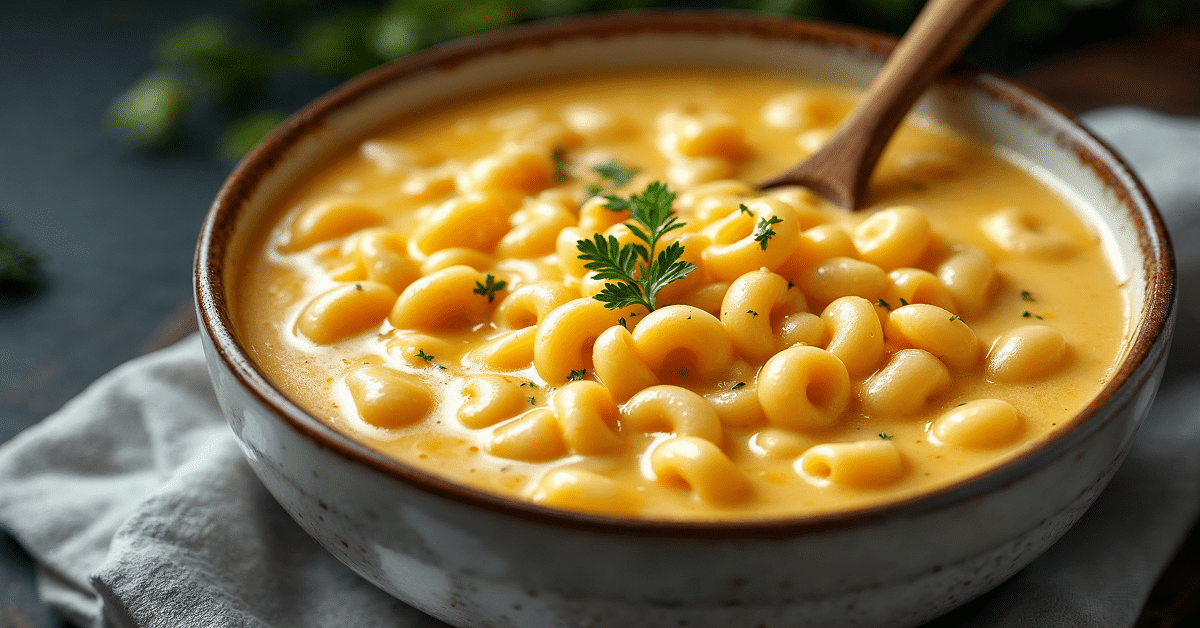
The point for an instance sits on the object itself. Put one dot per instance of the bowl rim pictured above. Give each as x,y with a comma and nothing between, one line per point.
218,229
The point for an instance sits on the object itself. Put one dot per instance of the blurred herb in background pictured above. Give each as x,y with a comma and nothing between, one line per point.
225,68
20,267
211,57
149,113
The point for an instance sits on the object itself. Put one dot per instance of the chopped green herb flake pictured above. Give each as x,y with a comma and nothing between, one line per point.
738,385
763,232
752,313
575,376
532,401
1027,296
903,302
562,167
885,436
883,304
490,288
744,210
615,173
424,356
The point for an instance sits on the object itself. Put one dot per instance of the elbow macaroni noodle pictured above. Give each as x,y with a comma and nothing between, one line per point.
424,295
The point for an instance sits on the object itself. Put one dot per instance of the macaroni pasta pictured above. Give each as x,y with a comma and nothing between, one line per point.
425,294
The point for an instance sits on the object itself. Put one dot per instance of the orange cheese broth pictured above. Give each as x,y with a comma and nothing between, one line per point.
952,181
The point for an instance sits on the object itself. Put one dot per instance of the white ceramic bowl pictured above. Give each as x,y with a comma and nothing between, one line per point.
475,559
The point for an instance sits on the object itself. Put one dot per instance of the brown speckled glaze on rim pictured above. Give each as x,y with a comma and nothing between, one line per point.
217,234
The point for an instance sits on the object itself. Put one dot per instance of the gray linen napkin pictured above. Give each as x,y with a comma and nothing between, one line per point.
140,511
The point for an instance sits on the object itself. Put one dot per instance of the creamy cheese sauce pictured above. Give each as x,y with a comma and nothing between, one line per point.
318,296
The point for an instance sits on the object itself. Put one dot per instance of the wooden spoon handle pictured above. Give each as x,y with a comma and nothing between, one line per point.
841,169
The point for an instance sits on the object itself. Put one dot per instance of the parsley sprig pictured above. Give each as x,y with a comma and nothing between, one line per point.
639,271
489,289
763,232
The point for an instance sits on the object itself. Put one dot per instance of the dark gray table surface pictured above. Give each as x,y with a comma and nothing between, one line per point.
118,226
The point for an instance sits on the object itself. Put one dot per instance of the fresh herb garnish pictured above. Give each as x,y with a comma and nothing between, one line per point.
1028,314
752,313
955,317
640,270
622,322
1027,296
763,232
744,210
885,436
738,385
903,302
883,304
489,289
575,376
424,356
358,286
532,401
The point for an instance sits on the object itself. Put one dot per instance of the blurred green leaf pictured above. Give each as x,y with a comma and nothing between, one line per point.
248,131
622,5
337,45
789,7
1177,13
557,8
341,38
1088,4
149,113
474,18
396,32
280,11
1033,18
234,67
895,13
20,266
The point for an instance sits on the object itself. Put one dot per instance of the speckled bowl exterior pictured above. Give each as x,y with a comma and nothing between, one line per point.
475,559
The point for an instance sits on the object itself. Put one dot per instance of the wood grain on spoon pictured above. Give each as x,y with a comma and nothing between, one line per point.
840,170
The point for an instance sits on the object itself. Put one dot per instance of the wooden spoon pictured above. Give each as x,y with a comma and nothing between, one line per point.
839,171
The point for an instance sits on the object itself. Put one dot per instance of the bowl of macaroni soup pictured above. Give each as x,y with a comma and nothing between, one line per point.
508,327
